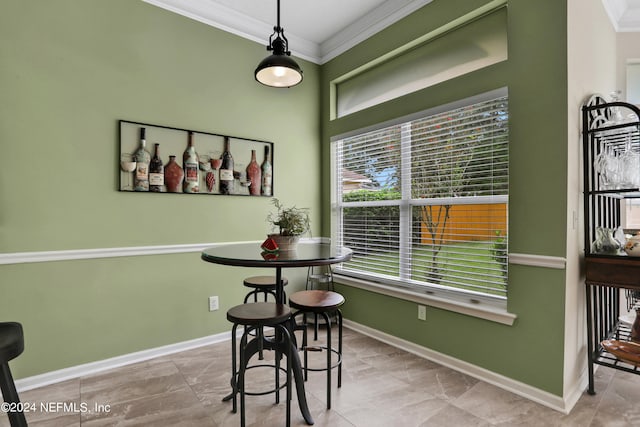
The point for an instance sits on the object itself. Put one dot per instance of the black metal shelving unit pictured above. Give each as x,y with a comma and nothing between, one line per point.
612,127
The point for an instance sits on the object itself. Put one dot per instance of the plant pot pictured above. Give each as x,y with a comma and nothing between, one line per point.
285,243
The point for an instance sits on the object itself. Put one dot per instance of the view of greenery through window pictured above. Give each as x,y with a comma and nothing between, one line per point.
424,203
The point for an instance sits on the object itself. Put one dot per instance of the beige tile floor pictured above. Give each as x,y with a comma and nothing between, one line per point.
382,386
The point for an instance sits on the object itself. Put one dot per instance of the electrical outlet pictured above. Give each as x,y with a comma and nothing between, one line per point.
422,312
213,303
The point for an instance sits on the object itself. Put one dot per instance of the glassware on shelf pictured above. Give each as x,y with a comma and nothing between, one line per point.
607,166
616,117
609,241
630,166
617,165
128,166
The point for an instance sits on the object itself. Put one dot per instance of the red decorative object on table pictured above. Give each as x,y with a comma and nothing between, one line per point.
269,245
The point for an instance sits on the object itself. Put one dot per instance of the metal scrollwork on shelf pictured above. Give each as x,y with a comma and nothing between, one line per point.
599,116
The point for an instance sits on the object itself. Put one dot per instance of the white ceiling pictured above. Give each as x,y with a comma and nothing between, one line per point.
319,30
624,14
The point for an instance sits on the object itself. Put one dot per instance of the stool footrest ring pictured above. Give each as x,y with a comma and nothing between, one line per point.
318,348
262,393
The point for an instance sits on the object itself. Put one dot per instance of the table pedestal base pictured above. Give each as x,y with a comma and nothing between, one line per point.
254,346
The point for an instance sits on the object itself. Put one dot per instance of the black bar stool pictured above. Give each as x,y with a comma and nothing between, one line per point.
262,285
11,346
265,285
321,278
254,317
325,303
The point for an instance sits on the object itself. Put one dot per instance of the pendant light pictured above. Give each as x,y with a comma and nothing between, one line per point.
278,69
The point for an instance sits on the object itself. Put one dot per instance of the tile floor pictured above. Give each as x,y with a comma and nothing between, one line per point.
382,386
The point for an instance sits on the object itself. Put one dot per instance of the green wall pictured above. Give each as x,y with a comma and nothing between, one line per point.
530,351
70,69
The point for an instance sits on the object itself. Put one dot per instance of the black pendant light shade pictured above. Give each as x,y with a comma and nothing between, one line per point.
278,69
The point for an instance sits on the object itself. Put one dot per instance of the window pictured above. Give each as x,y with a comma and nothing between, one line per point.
476,43
423,202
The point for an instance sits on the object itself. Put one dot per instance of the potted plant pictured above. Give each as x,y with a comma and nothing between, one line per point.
290,222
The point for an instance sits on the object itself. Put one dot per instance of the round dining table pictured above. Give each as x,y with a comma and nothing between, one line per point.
306,254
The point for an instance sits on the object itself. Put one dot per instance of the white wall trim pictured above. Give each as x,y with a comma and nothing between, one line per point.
483,311
540,396
538,260
116,362
74,254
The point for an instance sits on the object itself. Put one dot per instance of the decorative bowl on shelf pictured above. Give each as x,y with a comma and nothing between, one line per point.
632,246
623,350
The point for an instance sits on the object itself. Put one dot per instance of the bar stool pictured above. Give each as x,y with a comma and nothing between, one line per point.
11,346
254,317
325,303
319,277
262,285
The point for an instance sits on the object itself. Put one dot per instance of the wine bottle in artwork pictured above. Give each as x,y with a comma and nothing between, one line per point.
143,157
254,175
226,169
267,172
173,176
156,171
190,165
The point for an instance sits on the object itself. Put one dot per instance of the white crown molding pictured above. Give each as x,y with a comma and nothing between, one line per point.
623,14
229,20
375,21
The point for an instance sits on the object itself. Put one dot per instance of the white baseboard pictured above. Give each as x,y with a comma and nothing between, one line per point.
540,396
91,368
544,398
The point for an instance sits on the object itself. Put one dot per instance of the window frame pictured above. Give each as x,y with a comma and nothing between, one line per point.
460,300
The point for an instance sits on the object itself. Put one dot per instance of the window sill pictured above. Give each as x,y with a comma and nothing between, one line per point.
493,314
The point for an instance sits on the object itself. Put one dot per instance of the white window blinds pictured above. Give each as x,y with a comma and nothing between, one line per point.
423,203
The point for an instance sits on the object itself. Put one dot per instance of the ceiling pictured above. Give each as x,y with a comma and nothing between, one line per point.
321,30
624,14
317,30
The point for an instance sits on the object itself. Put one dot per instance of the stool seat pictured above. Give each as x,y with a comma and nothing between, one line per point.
316,301
259,313
265,285
254,317
11,341
325,303
260,282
